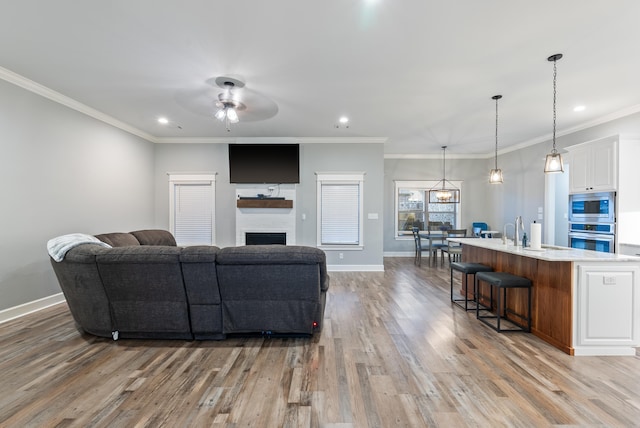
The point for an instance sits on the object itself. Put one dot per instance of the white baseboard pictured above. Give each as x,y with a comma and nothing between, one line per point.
355,268
399,254
30,307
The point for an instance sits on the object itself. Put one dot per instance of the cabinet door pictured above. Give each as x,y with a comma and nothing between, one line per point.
608,305
579,171
603,166
593,167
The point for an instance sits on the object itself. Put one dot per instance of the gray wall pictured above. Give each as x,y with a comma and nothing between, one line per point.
63,172
319,157
476,193
522,192
523,189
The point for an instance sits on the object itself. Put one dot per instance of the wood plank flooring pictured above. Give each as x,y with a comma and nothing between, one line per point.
394,352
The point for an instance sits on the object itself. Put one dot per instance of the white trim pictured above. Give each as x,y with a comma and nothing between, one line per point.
399,254
271,140
355,268
30,307
66,101
341,176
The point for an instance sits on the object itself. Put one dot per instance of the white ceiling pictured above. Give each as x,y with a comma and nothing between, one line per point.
420,73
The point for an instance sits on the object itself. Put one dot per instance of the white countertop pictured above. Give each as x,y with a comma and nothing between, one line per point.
548,252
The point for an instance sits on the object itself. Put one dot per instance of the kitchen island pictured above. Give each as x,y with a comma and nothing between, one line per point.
583,302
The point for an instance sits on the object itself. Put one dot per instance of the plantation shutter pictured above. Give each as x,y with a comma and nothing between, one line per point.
193,211
340,214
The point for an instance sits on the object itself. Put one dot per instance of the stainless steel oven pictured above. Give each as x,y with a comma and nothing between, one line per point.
592,241
593,207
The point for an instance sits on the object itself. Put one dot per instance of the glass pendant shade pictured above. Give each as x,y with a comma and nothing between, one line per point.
495,176
553,163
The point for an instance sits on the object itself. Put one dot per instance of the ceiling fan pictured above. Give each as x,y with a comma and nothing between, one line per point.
216,93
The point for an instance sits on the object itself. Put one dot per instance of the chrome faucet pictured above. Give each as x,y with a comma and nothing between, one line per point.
519,225
504,232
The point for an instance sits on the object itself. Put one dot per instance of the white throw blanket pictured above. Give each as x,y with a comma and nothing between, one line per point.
59,246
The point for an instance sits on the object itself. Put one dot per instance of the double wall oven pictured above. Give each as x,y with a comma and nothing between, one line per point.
592,221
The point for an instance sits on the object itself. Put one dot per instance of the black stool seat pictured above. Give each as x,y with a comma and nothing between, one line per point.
470,268
466,269
503,281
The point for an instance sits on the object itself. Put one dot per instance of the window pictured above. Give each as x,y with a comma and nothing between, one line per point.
340,197
414,209
192,208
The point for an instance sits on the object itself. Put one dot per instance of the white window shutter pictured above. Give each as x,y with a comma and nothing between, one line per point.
194,216
192,209
340,214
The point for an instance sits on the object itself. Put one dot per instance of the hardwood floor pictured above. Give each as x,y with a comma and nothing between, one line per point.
394,352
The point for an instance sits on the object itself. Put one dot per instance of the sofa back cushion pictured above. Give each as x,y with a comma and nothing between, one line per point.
271,288
146,291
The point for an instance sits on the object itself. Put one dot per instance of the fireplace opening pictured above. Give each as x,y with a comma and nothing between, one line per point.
256,238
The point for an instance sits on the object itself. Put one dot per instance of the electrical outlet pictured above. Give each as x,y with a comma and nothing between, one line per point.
341,256
610,280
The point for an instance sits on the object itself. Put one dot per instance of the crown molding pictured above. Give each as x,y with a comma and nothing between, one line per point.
66,101
272,140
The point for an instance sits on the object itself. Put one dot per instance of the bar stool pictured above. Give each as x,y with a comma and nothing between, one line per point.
467,269
503,281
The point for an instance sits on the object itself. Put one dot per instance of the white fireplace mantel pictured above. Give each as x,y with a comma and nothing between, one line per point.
271,220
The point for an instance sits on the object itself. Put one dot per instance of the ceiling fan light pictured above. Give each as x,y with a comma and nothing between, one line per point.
495,176
232,114
553,163
221,114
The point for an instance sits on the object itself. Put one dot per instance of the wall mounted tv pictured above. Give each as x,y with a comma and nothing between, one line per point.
264,163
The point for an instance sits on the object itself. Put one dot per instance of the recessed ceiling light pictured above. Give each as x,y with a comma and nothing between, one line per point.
163,120
344,119
579,108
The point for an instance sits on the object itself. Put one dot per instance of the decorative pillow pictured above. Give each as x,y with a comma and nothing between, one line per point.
155,237
119,239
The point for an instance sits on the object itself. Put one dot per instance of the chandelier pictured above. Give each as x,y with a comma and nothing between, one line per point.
553,161
495,176
442,193
228,105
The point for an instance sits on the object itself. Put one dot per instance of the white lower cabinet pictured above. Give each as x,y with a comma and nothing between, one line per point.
606,308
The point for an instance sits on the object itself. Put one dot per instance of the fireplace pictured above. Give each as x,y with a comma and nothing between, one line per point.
270,238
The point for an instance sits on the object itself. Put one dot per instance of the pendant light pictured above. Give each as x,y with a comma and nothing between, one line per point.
495,176
442,193
553,162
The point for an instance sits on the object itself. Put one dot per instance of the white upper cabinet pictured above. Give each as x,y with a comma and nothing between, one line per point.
593,166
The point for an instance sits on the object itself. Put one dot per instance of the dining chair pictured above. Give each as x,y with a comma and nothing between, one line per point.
454,249
417,260
437,228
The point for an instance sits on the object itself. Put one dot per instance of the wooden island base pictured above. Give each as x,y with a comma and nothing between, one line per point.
551,296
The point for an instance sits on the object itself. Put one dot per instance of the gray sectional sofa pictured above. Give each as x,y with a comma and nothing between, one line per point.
145,286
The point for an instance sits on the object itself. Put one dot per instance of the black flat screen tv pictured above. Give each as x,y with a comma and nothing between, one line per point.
264,163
